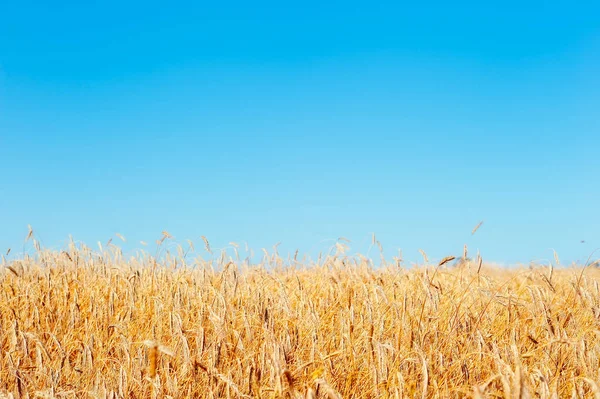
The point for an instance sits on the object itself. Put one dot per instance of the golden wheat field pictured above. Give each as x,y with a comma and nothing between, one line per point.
93,324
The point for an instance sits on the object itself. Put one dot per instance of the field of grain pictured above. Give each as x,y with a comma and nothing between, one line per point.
93,324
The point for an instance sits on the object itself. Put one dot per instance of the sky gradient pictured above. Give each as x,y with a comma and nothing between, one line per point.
264,122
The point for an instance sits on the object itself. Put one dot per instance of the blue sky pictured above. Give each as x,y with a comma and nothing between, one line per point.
264,122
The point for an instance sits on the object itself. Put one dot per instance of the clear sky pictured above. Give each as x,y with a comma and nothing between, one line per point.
268,121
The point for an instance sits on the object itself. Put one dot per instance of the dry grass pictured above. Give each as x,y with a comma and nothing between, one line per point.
78,324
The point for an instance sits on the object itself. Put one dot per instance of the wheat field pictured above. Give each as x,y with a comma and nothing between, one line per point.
93,324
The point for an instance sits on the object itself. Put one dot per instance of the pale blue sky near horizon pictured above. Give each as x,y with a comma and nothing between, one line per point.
267,122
